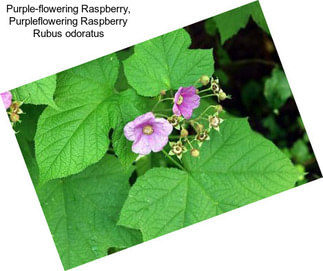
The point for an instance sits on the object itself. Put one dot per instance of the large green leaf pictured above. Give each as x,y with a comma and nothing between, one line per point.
38,92
74,136
236,167
230,22
277,89
82,212
165,63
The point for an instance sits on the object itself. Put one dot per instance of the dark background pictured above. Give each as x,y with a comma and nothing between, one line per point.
242,64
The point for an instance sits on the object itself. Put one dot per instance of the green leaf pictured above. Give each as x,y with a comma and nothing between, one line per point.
82,212
38,92
75,136
165,63
236,167
230,22
277,89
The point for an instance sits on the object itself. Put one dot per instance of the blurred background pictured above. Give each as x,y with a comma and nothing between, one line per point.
249,69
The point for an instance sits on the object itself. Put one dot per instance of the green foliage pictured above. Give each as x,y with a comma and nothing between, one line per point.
74,136
237,167
98,203
300,152
230,22
82,212
25,137
165,63
38,92
277,89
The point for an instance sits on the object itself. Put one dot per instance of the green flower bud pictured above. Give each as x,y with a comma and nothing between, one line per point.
204,79
219,108
222,95
184,133
195,153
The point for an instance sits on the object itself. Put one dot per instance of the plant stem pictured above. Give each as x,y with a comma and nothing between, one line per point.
204,90
178,136
161,115
209,95
196,82
189,143
200,116
173,160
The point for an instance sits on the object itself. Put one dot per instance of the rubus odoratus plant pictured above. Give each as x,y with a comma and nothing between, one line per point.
137,144
151,131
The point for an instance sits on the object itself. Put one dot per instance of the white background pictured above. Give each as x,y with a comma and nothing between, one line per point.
283,232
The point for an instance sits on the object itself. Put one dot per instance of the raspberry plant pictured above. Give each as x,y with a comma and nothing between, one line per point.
92,135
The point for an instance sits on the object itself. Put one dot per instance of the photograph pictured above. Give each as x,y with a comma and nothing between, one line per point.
161,135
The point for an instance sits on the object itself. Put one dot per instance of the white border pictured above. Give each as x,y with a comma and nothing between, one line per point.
283,232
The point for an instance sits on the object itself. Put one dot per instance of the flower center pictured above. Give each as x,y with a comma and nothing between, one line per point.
148,130
215,121
202,136
180,100
177,150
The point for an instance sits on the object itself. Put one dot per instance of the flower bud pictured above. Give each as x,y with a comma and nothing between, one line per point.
184,133
222,95
163,92
219,108
14,117
195,153
200,127
204,79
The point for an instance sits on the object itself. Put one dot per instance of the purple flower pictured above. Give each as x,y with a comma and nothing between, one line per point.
148,133
185,101
6,98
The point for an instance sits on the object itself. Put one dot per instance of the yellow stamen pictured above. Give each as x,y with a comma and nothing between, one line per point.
180,100
148,130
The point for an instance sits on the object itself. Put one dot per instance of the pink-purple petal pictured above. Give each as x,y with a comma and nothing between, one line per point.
129,131
193,101
144,143
189,91
186,112
162,127
144,118
176,110
141,145
6,98
177,94
190,101
157,142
